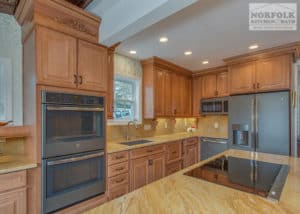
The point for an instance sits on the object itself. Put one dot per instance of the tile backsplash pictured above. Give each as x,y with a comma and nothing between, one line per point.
210,126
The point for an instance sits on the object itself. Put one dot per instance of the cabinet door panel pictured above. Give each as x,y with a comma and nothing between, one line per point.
168,94
190,155
92,66
176,94
209,86
197,94
160,93
273,73
56,58
13,202
222,84
242,78
110,85
156,167
138,173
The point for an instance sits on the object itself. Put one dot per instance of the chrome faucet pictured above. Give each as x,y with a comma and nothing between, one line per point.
134,122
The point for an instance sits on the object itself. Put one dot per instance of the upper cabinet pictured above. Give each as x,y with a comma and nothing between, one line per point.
65,61
197,93
266,74
92,66
167,89
209,86
222,84
56,58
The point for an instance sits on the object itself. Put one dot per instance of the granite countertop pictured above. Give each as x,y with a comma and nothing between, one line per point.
177,194
116,146
14,163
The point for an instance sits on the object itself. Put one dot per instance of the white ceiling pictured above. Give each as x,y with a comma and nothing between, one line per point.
211,29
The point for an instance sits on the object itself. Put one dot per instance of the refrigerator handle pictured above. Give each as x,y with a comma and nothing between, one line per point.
256,124
253,133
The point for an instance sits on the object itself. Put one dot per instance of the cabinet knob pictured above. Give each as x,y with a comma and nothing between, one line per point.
258,85
150,162
216,93
75,79
175,111
253,85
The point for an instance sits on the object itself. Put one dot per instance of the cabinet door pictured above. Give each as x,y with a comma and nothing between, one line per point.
13,202
273,73
197,92
110,85
209,86
56,58
160,93
176,94
139,173
156,167
92,66
242,78
222,84
168,94
188,97
191,153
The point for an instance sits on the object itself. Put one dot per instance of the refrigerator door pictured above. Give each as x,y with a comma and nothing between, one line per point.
241,122
273,126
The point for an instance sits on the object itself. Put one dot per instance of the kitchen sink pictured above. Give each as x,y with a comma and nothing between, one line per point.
136,142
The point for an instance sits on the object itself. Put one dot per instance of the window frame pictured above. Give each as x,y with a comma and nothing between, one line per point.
137,82
8,98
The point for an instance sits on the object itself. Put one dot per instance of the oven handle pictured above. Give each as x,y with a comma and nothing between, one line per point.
73,108
69,160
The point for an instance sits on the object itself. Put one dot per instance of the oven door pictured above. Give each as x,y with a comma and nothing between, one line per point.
72,129
70,179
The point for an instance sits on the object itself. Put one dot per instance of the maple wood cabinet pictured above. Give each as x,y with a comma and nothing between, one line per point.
146,170
215,85
267,74
190,152
167,90
65,61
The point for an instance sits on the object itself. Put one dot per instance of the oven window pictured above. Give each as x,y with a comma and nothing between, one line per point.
70,126
62,178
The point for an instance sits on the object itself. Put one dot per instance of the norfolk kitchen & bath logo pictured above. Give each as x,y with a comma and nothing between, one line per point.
272,16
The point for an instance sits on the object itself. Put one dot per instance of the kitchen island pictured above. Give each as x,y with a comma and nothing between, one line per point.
179,193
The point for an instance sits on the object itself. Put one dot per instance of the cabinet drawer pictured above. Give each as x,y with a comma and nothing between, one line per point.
190,141
12,180
174,151
149,150
117,169
117,157
173,167
118,191
118,180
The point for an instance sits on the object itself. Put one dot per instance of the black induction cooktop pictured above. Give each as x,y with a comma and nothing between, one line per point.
257,177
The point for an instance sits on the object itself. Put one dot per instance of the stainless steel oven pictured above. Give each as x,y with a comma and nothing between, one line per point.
70,179
71,124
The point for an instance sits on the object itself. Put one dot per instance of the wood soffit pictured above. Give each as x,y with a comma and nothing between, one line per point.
213,70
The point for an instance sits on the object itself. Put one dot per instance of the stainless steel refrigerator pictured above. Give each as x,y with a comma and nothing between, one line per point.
260,122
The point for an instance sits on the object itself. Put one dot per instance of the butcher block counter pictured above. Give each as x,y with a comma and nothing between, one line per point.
179,193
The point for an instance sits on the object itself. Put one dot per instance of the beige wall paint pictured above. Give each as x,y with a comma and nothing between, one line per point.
206,127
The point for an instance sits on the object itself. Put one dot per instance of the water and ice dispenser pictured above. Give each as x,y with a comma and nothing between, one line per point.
240,134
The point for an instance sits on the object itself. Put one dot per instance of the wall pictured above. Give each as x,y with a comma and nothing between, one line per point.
11,47
206,127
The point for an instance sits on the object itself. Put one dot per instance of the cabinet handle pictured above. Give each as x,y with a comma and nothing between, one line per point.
258,85
253,85
216,93
120,168
119,157
75,79
175,112
150,150
80,82
174,152
120,180
150,162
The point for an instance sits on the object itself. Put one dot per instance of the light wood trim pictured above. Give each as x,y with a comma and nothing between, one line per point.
117,169
12,180
117,157
214,70
146,151
15,131
156,61
290,48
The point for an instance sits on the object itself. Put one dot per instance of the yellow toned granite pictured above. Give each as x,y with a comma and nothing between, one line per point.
178,194
115,146
14,163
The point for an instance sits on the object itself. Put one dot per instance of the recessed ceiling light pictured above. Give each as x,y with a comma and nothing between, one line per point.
187,53
205,62
163,39
251,47
132,52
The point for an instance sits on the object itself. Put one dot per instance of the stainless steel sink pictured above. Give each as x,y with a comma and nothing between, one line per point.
136,142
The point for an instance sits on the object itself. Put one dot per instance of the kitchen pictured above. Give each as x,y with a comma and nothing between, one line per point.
148,113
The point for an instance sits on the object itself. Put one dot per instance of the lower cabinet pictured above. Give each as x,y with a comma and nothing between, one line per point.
13,193
146,170
173,167
190,151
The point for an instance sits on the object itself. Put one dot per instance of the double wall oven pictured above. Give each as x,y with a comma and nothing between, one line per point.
73,144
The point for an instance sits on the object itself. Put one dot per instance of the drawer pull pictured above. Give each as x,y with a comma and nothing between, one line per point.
120,168
174,152
120,180
150,150
119,157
